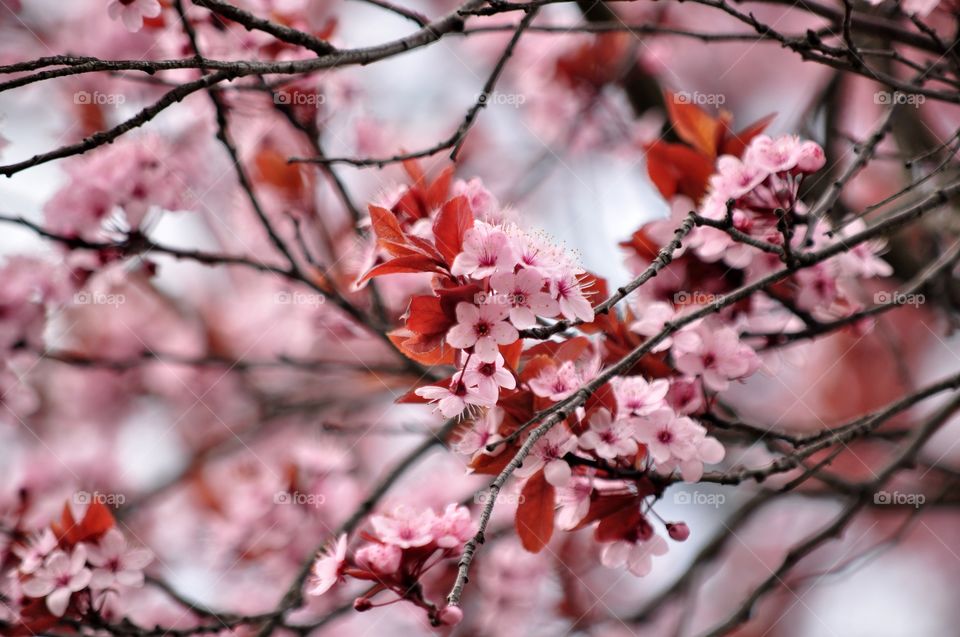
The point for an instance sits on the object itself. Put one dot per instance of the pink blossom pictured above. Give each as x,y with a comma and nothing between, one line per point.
547,454
405,528
666,436
379,558
556,383
652,317
452,399
37,548
525,296
637,556
488,377
328,568
450,616
454,527
482,328
707,450
574,502
132,12
483,432
637,396
60,577
608,438
573,304
115,563
486,249
715,354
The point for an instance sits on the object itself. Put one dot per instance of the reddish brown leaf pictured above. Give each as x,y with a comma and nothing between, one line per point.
694,125
534,521
427,316
675,168
96,521
453,221
424,350
400,265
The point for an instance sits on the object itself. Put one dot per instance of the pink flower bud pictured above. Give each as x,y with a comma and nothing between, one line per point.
450,616
678,531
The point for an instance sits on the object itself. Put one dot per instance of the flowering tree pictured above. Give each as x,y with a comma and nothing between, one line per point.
280,349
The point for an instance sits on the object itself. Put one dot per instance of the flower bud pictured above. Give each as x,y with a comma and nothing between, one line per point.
450,616
361,604
678,531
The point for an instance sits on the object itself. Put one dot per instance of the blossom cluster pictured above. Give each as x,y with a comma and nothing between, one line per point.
70,568
399,549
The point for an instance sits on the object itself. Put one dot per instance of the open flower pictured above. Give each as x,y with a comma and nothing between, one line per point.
489,377
115,563
405,528
548,455
60,577
328,569
715,353
573,303
525,296
556,383
666,436
486,250
483,328
608,438
452,399
485,431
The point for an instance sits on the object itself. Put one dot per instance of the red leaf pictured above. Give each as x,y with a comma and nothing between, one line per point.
694,125
426,316
389,234
437,192
453,221
407,264
620,525
675,168
426,350
96,521
534,521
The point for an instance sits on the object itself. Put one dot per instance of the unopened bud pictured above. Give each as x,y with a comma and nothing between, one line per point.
450,616
361,604
678,531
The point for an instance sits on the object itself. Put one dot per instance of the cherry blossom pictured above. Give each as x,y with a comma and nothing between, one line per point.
61,576
328,569
381,558
405,527
483,328
488,377
524,292
667,437
547,454
608,438
454,527
37,548
573,304
453,398
483,432
486,250
115,563
639,397
557,382
715,354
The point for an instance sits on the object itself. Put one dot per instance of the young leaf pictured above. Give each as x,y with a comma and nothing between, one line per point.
534,521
